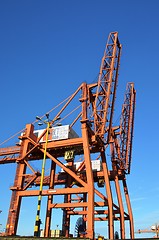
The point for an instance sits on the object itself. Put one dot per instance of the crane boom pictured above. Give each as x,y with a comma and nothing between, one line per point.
106,89
127,126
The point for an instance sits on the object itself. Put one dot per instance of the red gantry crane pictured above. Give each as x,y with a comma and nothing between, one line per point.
79,168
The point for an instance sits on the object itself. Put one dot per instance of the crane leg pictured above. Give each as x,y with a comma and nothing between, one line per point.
122,224
129,209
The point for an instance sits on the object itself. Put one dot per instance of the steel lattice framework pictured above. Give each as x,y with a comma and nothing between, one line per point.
84,191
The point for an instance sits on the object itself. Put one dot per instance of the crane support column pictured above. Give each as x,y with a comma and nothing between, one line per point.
109,195
14,210
129,209
122,224
87,159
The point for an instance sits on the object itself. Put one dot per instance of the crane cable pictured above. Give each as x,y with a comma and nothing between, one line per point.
22,130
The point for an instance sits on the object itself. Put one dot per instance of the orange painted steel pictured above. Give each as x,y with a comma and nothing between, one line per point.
83,189
121,207
129,209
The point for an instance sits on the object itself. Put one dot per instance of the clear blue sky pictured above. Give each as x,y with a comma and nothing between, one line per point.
48,48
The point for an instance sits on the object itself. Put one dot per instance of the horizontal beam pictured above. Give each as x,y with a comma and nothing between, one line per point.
11,154
64,143
6,160
59,191
9,150
60,178
98,212
106,219
69,205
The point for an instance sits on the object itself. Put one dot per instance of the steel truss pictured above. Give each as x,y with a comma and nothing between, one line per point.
83,191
